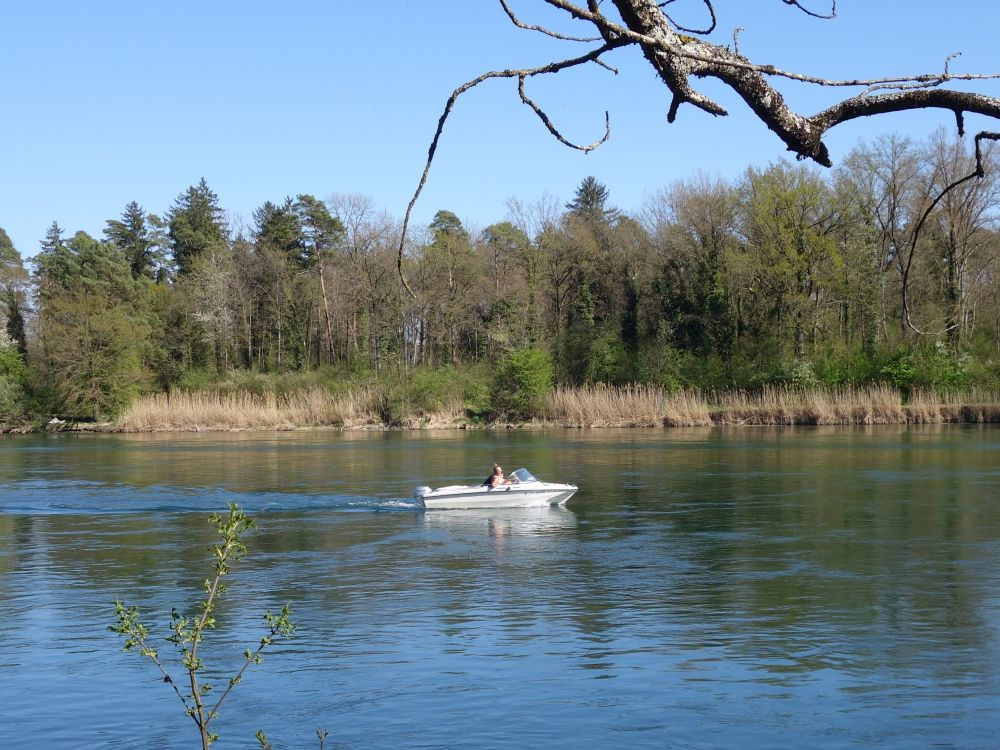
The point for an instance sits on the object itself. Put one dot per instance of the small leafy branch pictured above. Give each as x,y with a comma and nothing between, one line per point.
188,631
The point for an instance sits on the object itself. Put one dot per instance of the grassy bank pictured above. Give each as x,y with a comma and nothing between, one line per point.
588,406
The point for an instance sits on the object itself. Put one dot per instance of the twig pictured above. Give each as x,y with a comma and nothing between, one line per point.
541,29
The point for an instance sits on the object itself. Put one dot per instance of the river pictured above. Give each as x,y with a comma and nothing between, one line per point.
706,588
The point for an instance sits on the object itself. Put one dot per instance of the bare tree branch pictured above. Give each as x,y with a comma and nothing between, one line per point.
866,106
678,58
555,67
798,4
709,30
552,129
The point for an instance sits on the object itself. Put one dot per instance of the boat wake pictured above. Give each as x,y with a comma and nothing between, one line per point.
44,497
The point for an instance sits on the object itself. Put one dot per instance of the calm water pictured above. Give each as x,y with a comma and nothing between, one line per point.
752,588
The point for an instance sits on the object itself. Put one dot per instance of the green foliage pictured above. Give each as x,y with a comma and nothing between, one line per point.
319,232
446,223
188,631
13,293
850,365
900,371
430,390
12,364
13,377
609,360
660,363
789,220
801,374
93,353
13,399
522,384
934,367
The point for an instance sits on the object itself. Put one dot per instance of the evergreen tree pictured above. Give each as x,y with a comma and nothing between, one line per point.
590,202
277,228
132,237
319,231
53,241
55,264
195,225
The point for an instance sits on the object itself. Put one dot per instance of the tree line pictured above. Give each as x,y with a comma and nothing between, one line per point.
785,275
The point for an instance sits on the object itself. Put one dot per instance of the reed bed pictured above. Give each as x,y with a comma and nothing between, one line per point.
625,406
584,406
363,407
974,406
648,406
782,405
313,407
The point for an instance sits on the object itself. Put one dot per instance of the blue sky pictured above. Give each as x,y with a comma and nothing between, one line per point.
109,102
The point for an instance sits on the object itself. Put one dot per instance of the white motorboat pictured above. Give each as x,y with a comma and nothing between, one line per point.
522,491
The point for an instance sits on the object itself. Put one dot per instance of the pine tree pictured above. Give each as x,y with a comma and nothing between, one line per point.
195,225
132,236
590,202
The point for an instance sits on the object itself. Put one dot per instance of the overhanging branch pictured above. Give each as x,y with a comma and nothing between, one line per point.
520,74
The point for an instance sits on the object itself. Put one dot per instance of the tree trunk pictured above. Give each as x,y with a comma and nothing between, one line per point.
326,309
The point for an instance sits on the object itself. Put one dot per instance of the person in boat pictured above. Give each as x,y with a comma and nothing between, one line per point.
496,478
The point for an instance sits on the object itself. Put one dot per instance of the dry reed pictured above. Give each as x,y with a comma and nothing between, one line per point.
974,406
584,406
634,406
363,407
247,411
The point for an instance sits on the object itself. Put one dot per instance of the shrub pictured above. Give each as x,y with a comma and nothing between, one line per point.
522,384
933,368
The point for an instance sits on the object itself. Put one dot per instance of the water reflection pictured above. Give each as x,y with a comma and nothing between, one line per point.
500,523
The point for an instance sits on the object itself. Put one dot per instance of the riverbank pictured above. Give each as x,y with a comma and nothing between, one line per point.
587,406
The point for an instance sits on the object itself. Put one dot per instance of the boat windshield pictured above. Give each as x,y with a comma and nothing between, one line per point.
522,475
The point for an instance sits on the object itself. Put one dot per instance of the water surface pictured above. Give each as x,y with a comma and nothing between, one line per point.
751,588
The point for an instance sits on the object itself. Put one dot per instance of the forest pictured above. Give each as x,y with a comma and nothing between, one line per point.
791,275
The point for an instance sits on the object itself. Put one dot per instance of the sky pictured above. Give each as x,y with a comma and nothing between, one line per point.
110,102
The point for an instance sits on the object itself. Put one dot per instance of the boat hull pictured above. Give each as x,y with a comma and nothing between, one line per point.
536,495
